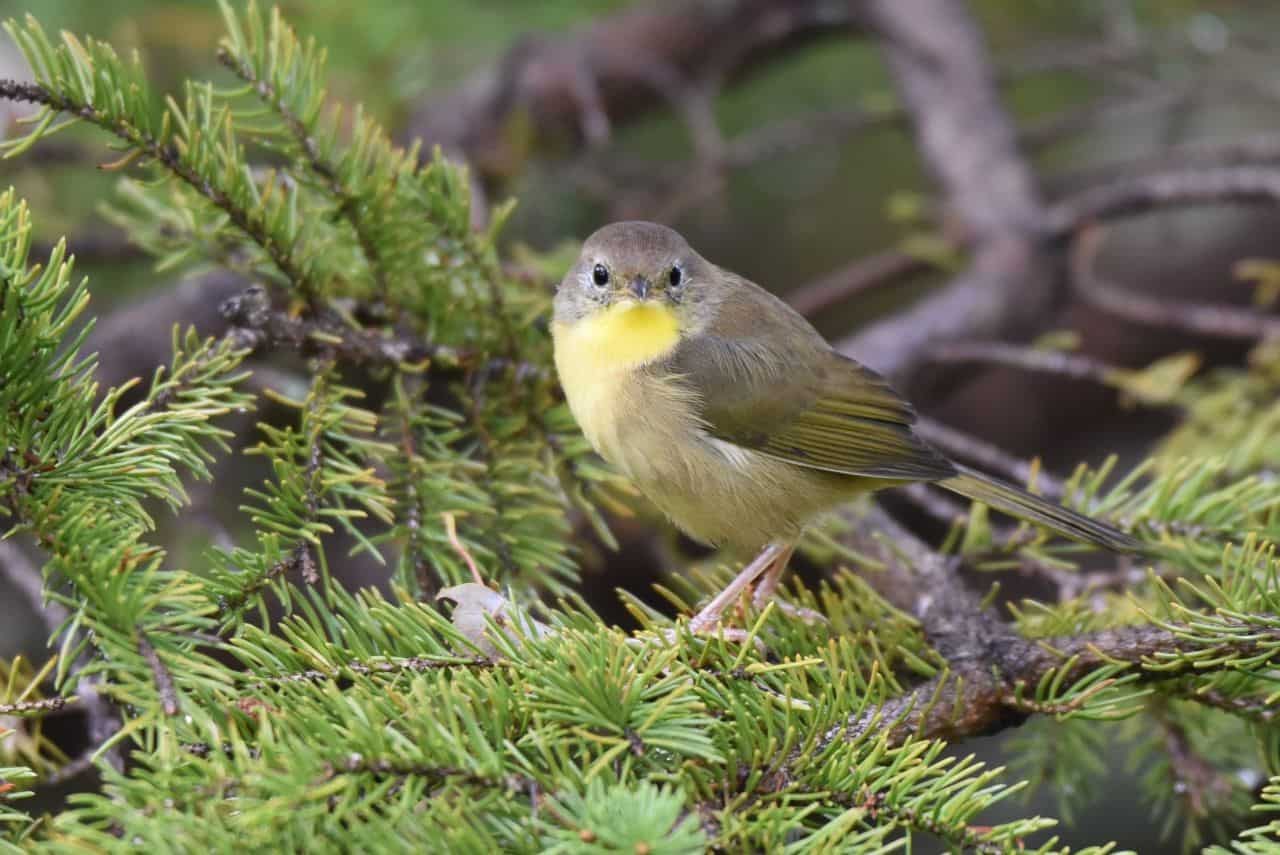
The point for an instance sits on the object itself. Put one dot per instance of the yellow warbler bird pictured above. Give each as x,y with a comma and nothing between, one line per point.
733,415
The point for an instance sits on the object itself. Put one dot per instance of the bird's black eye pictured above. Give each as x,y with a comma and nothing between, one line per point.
600,275
675,277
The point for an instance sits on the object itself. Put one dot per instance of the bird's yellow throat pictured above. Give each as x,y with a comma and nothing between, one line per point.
622,336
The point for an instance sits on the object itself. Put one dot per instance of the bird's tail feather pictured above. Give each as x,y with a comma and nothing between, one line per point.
1023,505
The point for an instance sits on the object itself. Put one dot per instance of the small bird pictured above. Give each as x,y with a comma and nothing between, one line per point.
733,415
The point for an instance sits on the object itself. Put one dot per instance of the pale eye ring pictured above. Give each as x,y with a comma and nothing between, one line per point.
675,276
600,275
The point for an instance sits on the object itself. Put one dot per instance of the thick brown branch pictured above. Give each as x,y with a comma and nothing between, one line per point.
969,142
258,326
988,661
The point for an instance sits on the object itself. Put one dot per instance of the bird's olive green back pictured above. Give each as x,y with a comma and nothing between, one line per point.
768,381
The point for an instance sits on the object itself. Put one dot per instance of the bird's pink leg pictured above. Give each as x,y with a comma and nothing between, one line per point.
708,619
767,590
768,586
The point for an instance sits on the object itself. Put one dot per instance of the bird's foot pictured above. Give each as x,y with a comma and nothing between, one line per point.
793,611
767,592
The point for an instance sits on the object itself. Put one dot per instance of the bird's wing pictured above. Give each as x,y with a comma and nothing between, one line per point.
782,391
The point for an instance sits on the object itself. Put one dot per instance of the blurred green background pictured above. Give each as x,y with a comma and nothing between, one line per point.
783,221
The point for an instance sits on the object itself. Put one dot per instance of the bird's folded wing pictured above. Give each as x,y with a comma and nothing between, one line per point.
815,409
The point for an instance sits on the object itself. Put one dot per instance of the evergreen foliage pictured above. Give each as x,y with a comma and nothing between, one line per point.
430,435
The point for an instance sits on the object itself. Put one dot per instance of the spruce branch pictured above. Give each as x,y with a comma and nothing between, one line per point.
170,155
962,837
300,67
1261,839
982,691
366,719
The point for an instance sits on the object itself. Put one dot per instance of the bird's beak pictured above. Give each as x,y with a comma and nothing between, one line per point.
640,288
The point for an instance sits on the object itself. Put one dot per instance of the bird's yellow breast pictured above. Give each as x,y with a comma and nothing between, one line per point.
624,335
647,424
595,356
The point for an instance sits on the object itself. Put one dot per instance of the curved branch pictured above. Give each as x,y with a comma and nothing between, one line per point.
1204,319
1152,191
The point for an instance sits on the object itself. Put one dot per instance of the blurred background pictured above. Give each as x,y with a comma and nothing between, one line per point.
792,166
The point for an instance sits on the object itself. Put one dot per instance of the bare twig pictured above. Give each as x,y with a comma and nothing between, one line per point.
96,246
1255,708
799,132
1110,60
664,191
160,674
1072,365
24,575
41,706
861,275
77,766
124,354
943,507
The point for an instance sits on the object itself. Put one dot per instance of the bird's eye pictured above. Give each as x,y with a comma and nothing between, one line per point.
675,277
600,275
